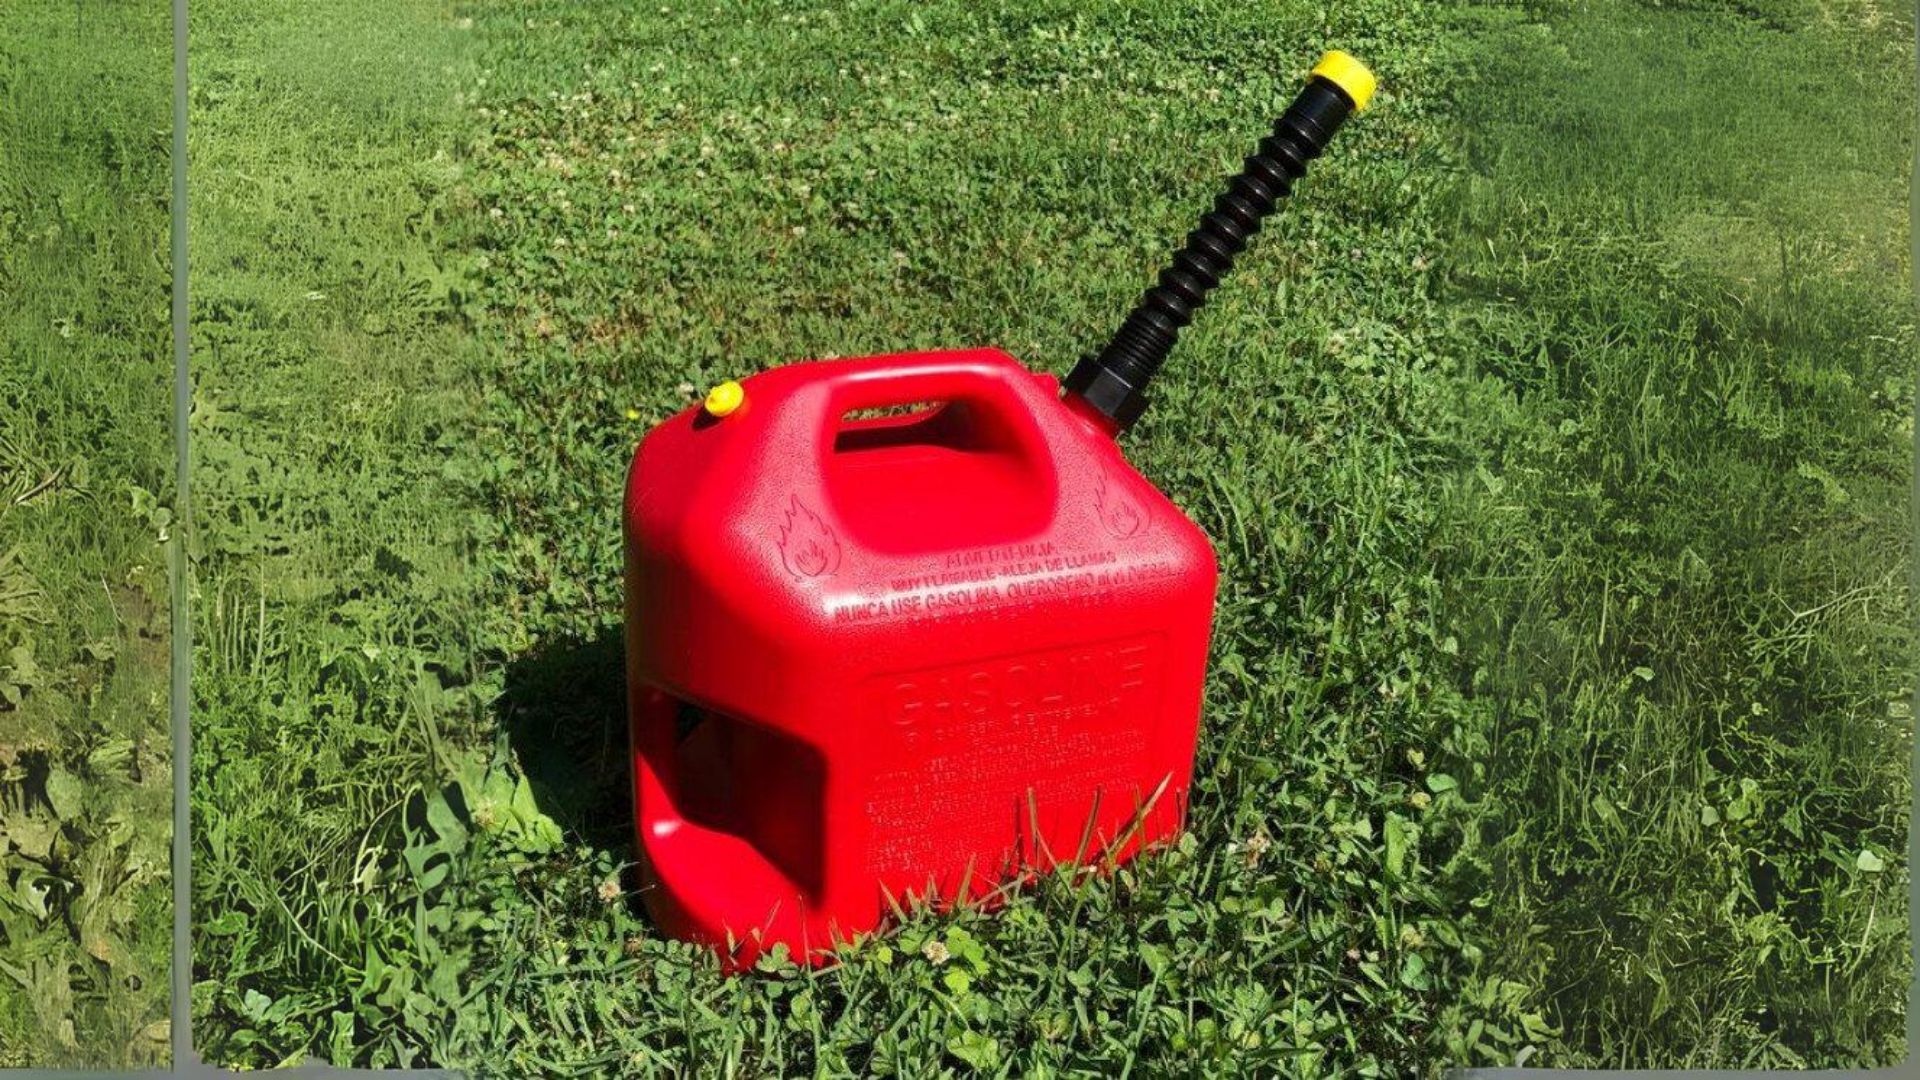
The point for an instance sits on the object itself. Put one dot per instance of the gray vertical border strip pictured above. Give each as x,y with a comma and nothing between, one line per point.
179,695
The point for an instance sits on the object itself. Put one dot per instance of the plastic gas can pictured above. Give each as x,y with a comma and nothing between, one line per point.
911,627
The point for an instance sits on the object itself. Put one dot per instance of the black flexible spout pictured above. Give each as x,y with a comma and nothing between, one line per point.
1113,382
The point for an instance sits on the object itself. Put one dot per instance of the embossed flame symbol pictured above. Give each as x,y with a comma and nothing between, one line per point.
807,546
1122,517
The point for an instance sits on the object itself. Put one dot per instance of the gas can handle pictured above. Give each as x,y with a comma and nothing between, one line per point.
1005,393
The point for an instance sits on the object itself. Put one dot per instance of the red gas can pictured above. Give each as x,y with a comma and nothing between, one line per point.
902,655
911,627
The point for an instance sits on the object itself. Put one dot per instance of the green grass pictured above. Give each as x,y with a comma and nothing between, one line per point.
1538,449
334,588
1703,631
86,471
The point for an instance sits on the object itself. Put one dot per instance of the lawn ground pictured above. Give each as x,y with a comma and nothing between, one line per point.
1554,446
86,476
1699,629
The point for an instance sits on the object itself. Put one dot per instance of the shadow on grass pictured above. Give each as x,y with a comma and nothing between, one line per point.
564,711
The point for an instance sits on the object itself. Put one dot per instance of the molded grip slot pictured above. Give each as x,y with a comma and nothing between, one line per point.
948,425
955,459
729,812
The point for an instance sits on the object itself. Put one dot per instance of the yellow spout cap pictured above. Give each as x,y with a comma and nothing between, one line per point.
1350,75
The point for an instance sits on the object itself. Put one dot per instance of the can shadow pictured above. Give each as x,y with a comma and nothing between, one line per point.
564,712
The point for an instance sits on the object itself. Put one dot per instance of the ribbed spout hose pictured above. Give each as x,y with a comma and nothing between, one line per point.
1113,382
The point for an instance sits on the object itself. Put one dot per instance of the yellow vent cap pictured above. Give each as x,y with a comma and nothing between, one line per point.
725,398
